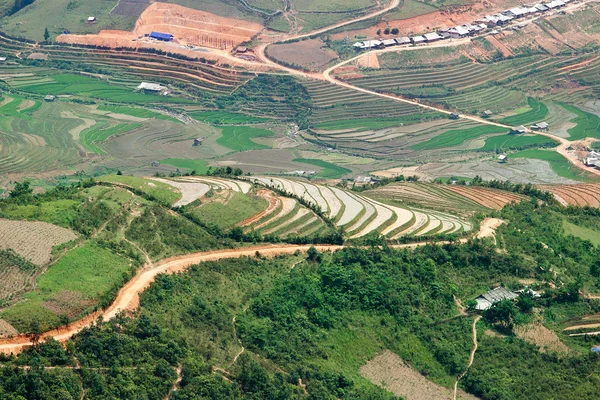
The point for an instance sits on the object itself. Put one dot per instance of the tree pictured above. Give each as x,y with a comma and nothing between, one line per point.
21,190
503,312
386,31
378,32
395,31
46,35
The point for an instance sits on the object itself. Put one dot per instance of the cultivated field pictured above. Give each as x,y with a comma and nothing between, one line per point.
545,339
576,195
490,198
310,54
33,240
359,215
392,373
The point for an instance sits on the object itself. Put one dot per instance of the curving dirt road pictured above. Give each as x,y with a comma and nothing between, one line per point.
128,297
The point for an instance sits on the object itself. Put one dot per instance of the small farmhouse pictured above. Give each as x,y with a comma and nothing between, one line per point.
50,97
486,300
151,87
518,129
540,126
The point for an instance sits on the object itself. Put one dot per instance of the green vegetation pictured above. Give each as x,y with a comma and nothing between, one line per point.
162,192
225,117
239,138
328,170
137,112
374,124
92,137
234,210
162,234
71,287
538,111
87,86
582,233
588,124
558,163
516,142
200,166
457,137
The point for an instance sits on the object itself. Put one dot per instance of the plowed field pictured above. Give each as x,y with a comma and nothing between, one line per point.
490,198
577,195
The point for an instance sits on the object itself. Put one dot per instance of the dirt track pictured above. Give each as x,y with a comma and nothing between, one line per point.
128,297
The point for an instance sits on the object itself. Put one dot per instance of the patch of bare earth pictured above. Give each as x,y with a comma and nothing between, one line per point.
390,372
33,240
542,337
370,60
187,25
68,303
6,329
311,54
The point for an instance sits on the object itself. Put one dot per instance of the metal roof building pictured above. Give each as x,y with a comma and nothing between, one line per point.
486,300
152,87
167,37
432,37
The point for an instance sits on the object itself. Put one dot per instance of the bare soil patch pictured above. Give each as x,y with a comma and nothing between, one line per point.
37,56
68,303
188,26
542,337
390,372
311,54
33,240
370,60
6,329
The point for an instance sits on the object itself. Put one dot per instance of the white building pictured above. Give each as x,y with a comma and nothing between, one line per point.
486,300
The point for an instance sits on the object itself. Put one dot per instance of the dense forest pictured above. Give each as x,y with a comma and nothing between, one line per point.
301,326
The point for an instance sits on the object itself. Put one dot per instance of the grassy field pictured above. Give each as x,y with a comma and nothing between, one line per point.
225,117
91,138
75,283
240,138
334,5
516,142
161,191
238,208
581,232
558,163
374,124
537,112
85,86
61,15
137,112
328,170
200,166
588,124
457,137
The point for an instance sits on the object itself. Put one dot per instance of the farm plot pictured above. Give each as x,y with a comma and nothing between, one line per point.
425,195
238,138
162,192
221,183
359,215
190,191
16,274
33,240
576,195
457,137
490,198
392,373
558,163
587,124
537,111
311,54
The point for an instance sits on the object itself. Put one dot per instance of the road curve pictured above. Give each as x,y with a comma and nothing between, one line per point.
128,297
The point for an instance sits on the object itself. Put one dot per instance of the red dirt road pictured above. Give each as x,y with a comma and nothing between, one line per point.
128,297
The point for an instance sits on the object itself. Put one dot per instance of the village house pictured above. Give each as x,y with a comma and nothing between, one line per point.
488,299
540,126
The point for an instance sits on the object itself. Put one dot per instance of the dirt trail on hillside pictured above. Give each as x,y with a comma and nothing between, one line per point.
471,356
488,228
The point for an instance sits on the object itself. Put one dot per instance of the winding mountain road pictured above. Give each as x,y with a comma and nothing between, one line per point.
128,298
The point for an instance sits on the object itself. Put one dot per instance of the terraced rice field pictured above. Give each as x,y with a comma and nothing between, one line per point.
576,195
336,107
490,198
33,240
425,195
220,183
359,215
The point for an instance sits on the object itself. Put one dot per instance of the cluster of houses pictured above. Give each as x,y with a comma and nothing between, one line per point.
592,159
461,31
